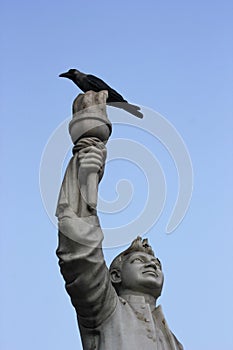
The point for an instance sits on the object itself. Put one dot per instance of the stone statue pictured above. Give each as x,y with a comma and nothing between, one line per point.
116,308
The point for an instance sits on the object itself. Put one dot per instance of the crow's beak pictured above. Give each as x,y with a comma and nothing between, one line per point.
65,75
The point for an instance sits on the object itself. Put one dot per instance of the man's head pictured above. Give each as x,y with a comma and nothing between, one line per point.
137,270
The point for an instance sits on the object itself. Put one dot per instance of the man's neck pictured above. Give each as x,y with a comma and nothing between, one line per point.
149,299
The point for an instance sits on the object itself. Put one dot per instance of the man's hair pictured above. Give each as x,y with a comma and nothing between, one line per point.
138,245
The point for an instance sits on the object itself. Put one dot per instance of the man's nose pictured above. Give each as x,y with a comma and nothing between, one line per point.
151,264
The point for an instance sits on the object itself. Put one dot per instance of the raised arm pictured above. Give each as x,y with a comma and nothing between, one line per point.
80,237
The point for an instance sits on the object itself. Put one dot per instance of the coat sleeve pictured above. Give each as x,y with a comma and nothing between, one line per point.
80,255
84,270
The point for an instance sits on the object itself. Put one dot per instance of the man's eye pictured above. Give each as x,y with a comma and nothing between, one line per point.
137,259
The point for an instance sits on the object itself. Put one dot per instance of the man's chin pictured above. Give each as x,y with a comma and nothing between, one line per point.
153,288
154,280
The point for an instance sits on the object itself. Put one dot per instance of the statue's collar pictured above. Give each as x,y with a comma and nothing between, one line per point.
140,299
133,299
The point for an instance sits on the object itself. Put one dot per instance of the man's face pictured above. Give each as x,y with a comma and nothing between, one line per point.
142,273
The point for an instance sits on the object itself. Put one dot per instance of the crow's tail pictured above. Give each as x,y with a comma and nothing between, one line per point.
132,109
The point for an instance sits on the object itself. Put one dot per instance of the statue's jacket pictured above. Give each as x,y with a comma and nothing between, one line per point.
106,321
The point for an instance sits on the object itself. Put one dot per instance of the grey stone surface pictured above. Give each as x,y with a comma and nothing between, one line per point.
116,308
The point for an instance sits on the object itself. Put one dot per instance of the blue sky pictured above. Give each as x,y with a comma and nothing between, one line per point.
172,57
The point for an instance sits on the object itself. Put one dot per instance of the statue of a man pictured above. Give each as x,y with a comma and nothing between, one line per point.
116,308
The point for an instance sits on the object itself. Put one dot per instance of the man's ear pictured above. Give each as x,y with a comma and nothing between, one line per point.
115,275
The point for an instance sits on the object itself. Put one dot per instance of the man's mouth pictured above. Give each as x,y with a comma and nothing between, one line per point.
151,272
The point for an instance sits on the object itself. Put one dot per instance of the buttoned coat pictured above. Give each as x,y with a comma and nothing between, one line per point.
106,321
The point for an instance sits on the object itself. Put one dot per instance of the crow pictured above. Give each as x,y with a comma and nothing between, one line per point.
88,82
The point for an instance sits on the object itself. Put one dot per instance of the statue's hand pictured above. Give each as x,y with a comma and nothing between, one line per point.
91,164
91,160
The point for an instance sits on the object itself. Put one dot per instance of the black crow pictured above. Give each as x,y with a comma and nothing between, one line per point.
88,82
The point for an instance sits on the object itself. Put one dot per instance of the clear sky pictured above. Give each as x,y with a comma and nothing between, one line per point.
174,57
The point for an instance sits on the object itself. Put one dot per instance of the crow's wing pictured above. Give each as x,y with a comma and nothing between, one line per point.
114,98
98,85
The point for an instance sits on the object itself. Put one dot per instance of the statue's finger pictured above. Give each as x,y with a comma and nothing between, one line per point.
89,149
88,99
77,104
90,167
104,152
91,161
91,156
102,97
